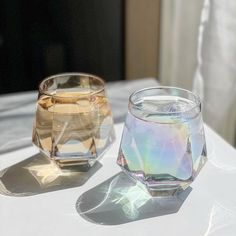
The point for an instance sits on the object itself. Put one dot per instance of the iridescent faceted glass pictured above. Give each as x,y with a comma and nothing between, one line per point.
163,142
73,123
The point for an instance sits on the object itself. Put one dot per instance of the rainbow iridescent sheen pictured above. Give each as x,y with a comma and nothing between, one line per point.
163,150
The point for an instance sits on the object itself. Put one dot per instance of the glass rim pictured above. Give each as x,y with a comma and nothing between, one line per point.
196,98
43,91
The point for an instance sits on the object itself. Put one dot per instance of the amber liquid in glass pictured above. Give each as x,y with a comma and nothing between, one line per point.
73,128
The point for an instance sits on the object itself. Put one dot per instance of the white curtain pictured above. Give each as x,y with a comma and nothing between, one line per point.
216,72
178,41
202,54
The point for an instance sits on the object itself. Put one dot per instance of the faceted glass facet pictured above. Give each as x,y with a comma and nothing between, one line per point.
163,143
73,123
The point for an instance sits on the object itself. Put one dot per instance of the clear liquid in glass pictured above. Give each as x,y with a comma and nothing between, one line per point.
163,143
72,128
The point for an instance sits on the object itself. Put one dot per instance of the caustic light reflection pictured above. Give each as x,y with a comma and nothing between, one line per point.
131,200
46,174
121,199
221,218
127,197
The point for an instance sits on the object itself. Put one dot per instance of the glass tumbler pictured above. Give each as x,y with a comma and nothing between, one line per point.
73,123
163,143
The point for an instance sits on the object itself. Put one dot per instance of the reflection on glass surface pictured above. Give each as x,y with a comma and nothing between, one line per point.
163,143
73,123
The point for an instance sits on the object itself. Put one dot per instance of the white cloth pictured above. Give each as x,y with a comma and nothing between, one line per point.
178,41
215,78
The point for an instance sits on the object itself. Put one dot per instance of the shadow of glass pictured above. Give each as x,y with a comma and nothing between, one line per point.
38,174
120,200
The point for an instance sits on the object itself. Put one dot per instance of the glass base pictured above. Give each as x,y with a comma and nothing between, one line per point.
159,188
81,163
75,164
167,191
162,185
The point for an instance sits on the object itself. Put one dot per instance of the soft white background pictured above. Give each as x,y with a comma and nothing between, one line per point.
198,51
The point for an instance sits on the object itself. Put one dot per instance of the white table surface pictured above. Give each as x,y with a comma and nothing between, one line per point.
208,209
35,204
